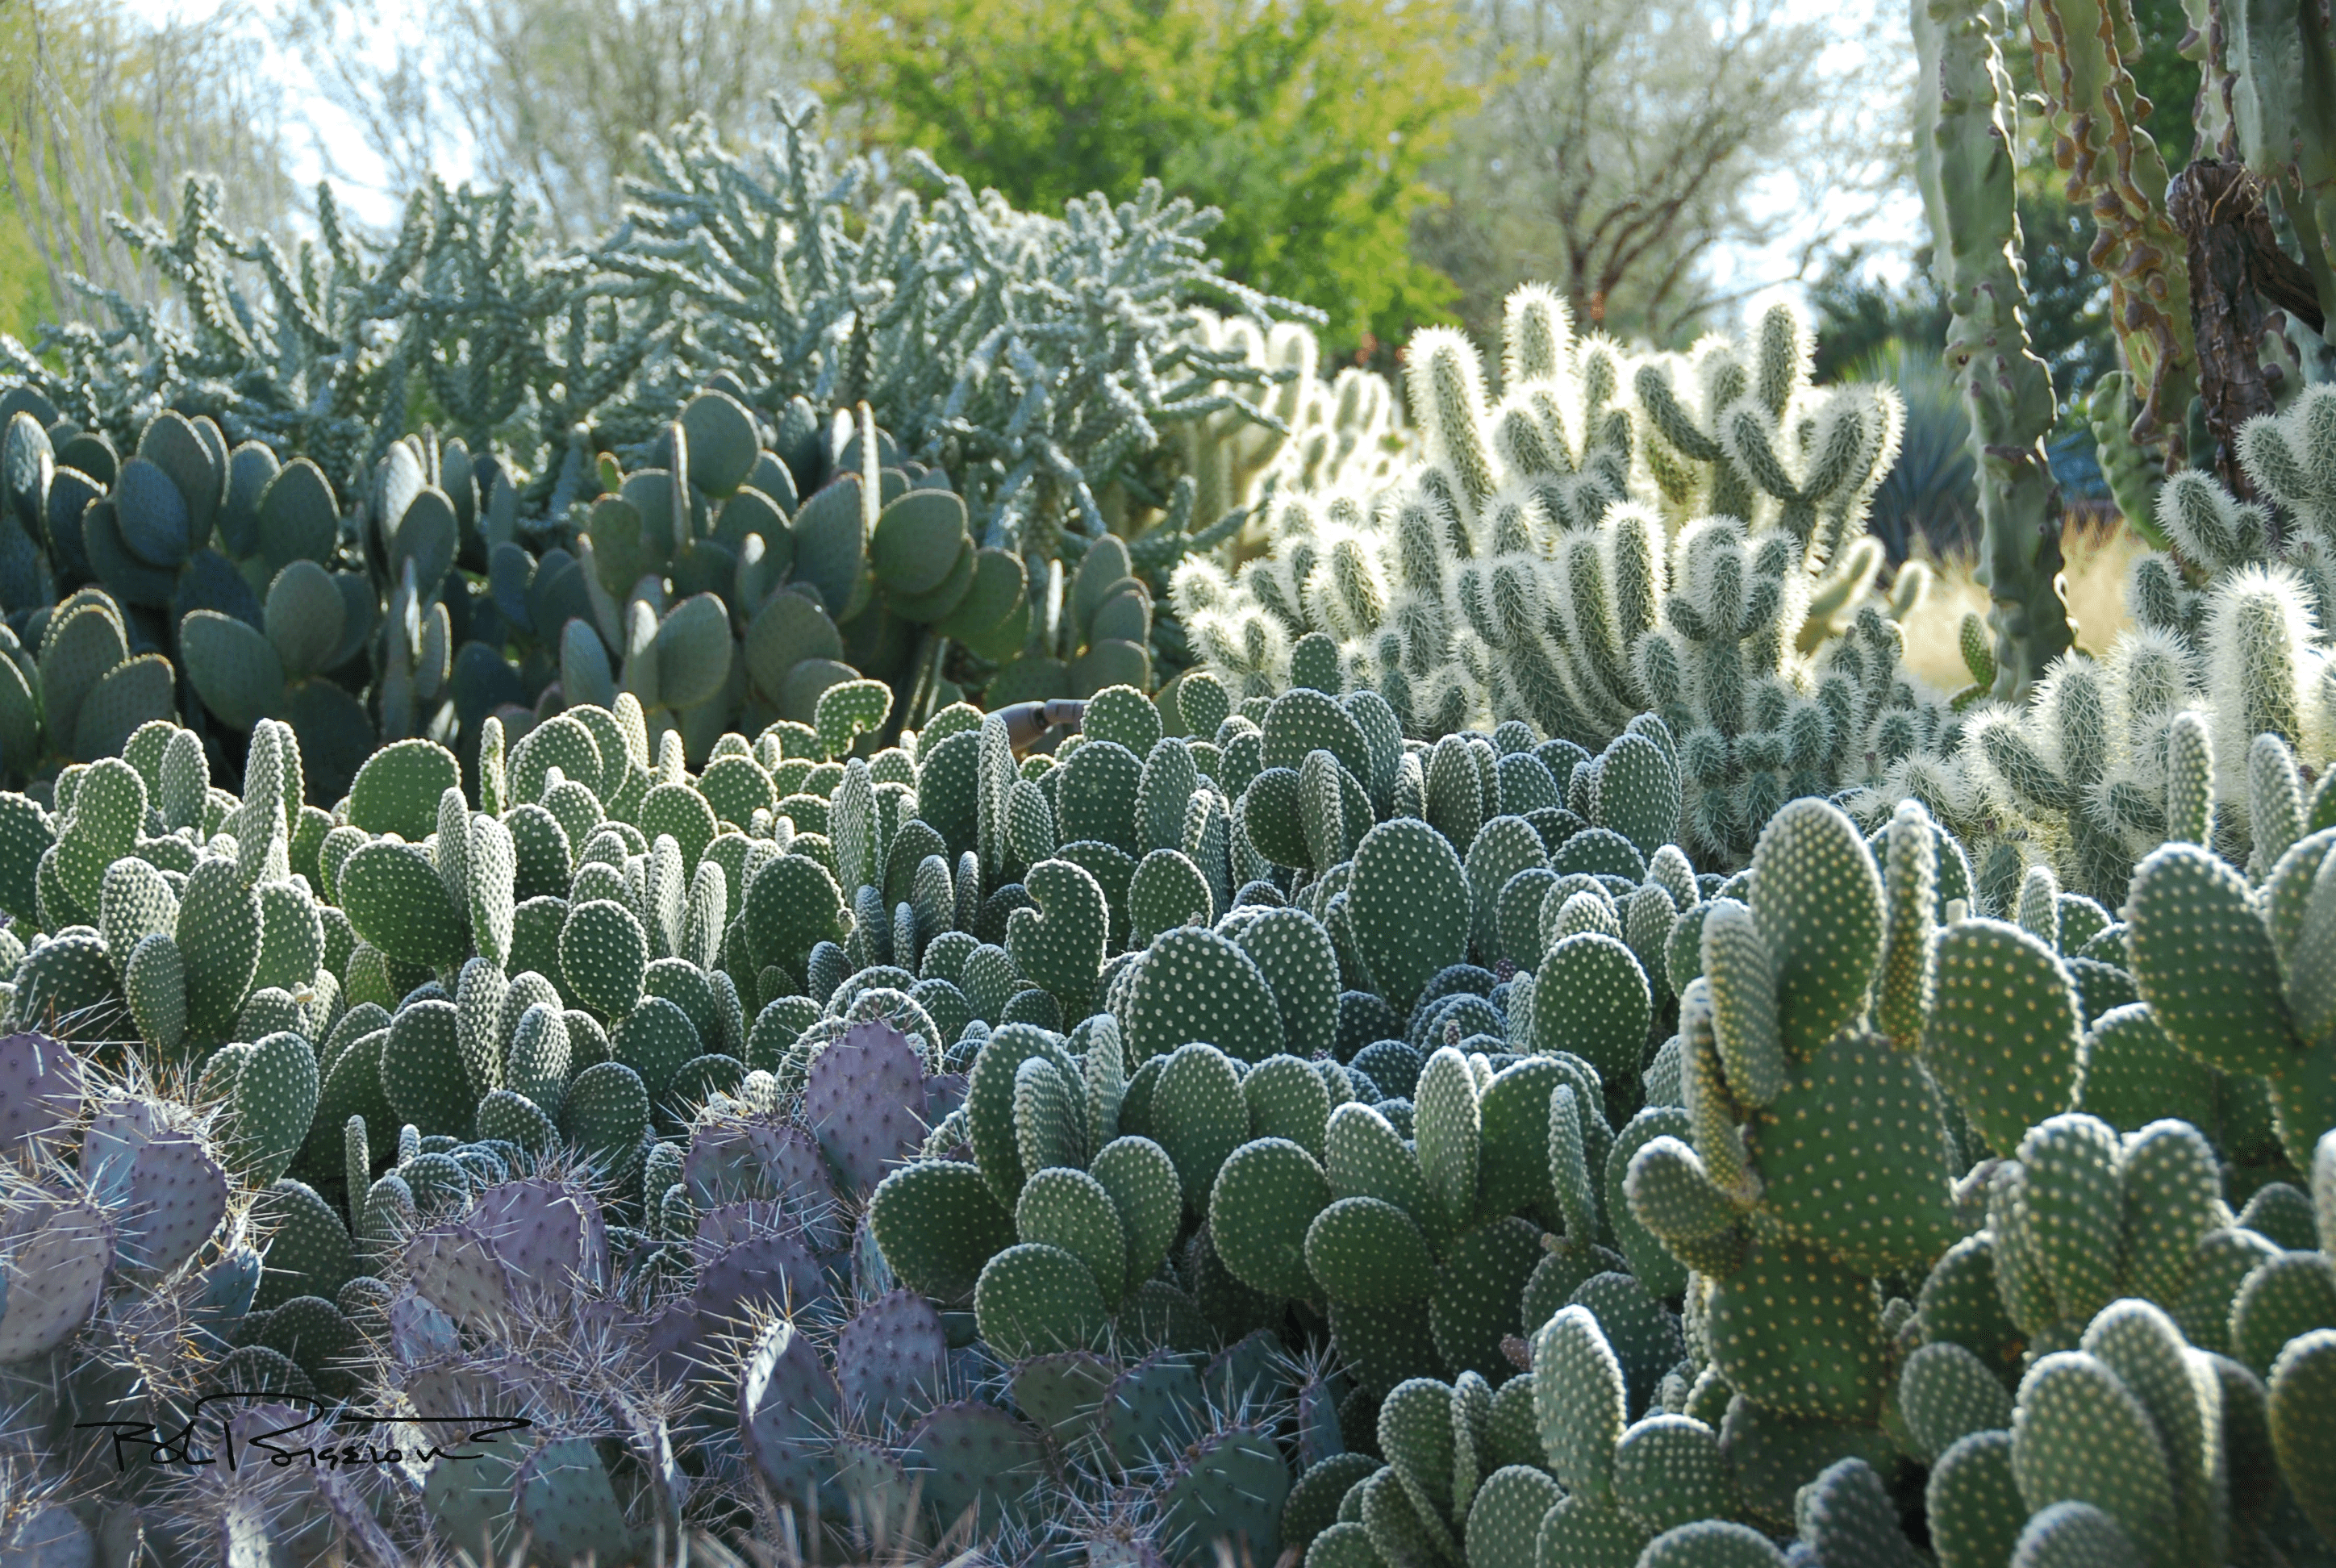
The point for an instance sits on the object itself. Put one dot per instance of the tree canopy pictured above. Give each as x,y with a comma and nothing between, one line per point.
1311,123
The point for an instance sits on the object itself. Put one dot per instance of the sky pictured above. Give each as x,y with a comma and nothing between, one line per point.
316,123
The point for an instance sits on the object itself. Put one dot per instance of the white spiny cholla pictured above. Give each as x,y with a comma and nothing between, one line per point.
1606,533
2258,599
2233,623
1344,429
1603,533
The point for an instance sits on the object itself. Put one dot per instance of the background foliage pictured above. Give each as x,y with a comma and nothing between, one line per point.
1314,124
1391,165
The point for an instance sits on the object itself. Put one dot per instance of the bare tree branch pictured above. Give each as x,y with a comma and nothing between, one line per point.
1624,142
101,116
552,96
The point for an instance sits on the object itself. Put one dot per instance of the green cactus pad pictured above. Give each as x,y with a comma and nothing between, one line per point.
1267,1196
2133,1074
2302,1396
657,1040
219,941
1512,1166
135,902
2291,1295
309,1252
1579,1402
1416,1432
2003,1032
1287,1098
1504,1524
1166,890
422,1073
1384,1344
1740,972
2075,1536
605,1112
1059,942
1365,1156
1069,1209
1644,1335
1409,906
1144,1189
292,937
990,1103
275,1099
938,1224
1194,985
1946,1393
541,1058
1711,1543
506,1115
1670,1194
1817,897
603,953
395,900
1851,1152
1639,793
1199,1117
1593,1535
1367,1251
1591,999
154,982
2143,1347
1097,798
1973,1502
1032,1299
397,790
1314,1502
1799,1333
792,904
2079,1435
1473,1312
2204,963
1668,1471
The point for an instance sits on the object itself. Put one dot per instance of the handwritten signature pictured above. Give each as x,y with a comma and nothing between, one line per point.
321,1447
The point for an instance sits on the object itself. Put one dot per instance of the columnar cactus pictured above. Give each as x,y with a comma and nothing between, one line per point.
1967,120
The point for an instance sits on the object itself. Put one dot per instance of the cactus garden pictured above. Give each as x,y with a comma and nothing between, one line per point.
865,878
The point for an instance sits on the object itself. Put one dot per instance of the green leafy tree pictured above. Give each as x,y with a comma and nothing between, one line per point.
1311,123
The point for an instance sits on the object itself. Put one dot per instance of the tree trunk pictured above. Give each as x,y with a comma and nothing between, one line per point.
2239,280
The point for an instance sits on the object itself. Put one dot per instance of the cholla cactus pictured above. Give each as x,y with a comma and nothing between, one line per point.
1526,564
2253,586
1344,431
2232,624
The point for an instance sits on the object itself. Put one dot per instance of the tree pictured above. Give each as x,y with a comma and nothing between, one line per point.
551,97
102,115
1621,143
1311,123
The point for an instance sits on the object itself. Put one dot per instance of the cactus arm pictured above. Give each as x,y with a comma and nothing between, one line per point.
1963,145
2115,168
